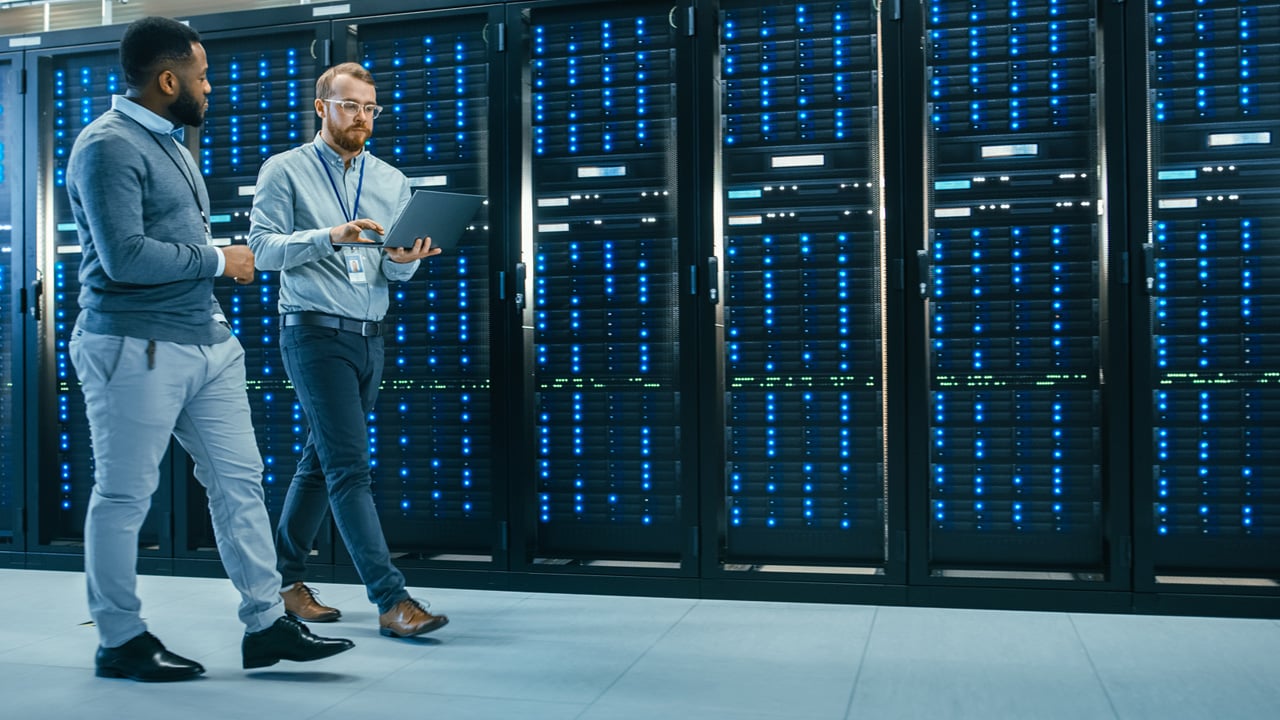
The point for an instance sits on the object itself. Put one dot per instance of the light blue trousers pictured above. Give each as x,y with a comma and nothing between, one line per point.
135,402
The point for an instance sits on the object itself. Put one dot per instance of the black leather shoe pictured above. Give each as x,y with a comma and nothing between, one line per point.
288,639
144,659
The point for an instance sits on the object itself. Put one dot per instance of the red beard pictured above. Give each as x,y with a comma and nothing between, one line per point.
353,138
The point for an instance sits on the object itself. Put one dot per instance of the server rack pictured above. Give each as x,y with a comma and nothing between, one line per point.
12,294
1014,278
263,85
438,446
806,472
1206,401
609,452
76,87
1182,555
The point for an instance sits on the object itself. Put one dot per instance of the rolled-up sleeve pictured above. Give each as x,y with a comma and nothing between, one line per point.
275,243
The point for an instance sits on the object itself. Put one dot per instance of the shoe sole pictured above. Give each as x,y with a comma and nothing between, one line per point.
316,619
261,662
388,632
103,672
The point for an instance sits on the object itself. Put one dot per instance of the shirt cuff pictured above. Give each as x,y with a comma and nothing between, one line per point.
222,262
320,240
399,272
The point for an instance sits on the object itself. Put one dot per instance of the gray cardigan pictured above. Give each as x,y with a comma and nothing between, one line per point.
148,268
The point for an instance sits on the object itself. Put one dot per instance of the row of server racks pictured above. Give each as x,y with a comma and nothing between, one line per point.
968,302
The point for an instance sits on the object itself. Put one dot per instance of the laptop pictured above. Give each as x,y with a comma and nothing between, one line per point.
442,216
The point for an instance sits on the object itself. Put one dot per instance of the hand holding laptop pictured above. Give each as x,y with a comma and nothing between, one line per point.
433,221
349,234
422,248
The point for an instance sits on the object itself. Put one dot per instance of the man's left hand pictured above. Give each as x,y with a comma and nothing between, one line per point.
421,249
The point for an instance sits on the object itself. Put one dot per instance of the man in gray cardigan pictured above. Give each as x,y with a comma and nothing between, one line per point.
156,358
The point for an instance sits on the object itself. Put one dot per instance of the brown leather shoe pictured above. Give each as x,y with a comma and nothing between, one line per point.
300,602
409,618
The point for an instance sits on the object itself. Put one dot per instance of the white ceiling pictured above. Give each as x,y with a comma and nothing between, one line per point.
21,17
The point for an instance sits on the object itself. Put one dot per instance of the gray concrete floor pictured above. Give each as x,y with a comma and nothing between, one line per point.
530,656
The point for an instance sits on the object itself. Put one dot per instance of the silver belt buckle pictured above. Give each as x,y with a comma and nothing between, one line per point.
368,328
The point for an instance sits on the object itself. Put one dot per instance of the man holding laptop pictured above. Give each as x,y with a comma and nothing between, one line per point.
311,206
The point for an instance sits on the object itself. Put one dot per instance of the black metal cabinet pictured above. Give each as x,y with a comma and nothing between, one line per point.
1012,272
606,465
263,85
954,302
438,426
804,479
12,294
74,87
1207,403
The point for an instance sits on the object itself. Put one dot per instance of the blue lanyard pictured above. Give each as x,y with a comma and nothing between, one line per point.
342,203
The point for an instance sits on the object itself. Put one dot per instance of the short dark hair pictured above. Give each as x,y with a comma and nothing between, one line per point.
324,84
152,44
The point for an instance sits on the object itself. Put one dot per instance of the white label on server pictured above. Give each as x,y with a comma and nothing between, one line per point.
591,171
330,10
1024,149
791,161
1248,138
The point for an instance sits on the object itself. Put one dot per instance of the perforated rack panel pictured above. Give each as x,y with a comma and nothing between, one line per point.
261,105
605,366
1014,287
11,480
1214,282
80,89
432,445
803,352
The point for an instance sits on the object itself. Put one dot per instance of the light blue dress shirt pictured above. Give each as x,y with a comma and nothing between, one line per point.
295,205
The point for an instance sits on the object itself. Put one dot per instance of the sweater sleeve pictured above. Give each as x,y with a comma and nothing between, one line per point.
110,187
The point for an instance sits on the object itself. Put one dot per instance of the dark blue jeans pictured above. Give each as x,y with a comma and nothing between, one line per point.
336,376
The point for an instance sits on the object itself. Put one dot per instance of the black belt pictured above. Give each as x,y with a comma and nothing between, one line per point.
367,328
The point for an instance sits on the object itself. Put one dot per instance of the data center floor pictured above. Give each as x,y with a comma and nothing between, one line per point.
529,655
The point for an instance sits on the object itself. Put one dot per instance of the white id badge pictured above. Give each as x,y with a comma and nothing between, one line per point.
355,266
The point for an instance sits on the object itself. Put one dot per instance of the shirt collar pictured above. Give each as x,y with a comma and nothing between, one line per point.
145,117
329,154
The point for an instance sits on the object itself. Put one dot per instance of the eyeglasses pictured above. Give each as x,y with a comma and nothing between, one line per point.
353,108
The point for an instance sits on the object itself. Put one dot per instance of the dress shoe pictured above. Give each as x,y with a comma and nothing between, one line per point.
288,639
300,601
409,618
144,659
